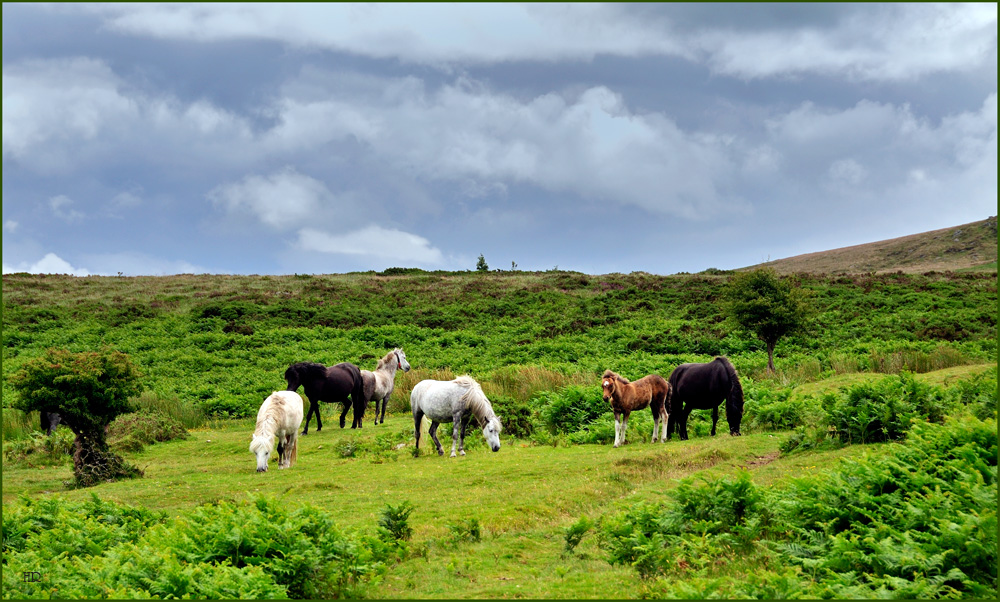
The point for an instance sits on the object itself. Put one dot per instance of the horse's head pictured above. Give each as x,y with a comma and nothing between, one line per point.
402,364
261,447
608,383
492,433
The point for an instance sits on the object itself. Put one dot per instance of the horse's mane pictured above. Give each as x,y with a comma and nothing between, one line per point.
385,358
274,412
609,374
476,401
735,397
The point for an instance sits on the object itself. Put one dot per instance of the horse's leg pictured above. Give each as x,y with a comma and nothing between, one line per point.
456,432
618,429
715,418
656,422
664,421
343,415
684,423
433,433
359,412
385,402
281,451
461,436
624,425
417,417
312,408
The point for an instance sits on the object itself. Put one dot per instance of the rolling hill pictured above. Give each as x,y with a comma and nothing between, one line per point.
970,246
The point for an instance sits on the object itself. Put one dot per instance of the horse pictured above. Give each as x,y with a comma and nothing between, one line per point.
704,386
49,421
453,401
332,385
625,397
280,415
380,383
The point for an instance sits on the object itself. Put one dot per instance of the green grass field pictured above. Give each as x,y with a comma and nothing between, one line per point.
524,497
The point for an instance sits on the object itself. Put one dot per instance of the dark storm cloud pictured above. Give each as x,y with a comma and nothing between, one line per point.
601,138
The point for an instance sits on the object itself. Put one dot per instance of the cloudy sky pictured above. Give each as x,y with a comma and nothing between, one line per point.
325,138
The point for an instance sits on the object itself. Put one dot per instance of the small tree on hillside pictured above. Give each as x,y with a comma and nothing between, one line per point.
89,390
763,304
481,264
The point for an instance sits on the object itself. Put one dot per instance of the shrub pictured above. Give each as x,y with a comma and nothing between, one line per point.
132,432
89,390
40,449
394,522
254,549
882,411
571,407
575,532
466,530
515,416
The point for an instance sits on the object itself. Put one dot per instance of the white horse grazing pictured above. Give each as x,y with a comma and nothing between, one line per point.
454,401
280,415
383,380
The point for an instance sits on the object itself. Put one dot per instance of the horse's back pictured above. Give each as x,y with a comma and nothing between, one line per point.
710,381
286,405
436,398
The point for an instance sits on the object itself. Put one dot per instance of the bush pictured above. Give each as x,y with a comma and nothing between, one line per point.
40,449
882,411
571,407
575,532
394,522
466,530
255,549
515,416
132,432
919,521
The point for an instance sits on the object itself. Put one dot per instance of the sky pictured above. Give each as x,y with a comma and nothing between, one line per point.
156,139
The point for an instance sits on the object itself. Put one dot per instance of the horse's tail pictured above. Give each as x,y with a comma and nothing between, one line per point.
667,398
294,455
734,401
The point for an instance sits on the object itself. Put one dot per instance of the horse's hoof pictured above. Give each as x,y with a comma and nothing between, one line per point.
461,453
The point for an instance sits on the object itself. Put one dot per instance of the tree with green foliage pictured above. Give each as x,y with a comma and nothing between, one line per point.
89,390
764,304
481,265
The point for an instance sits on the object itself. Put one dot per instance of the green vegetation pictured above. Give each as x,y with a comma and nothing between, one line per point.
89,390
867,468
840,534
766,306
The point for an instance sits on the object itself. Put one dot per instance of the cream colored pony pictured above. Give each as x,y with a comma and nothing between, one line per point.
280,415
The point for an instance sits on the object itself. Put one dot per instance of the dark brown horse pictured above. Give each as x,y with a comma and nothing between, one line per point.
626,397
704,386
332,385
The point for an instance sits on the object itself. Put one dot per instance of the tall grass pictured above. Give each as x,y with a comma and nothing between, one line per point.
17,424
188,414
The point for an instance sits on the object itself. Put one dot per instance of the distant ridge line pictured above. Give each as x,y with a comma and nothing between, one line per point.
971,246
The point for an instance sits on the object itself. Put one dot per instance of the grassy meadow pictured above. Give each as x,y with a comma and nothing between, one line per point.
497,525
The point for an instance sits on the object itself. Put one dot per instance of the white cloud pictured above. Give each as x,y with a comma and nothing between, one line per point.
847,171
374,241
897,41
885,42
60,114
49,264
283,200
10,225
61,208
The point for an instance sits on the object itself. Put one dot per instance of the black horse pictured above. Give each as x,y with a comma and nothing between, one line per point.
49,421
704,386
332,385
